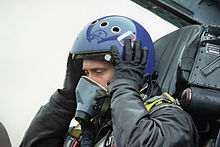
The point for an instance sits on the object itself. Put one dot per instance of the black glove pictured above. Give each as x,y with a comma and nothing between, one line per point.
132,67
73,73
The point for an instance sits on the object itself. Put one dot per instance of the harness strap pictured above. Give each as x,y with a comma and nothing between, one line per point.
105,106
158,102
76,133
157,107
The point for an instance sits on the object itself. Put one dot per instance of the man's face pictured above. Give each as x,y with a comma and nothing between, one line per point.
99,71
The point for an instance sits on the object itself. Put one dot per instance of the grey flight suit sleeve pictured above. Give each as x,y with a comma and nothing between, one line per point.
133,126
51,123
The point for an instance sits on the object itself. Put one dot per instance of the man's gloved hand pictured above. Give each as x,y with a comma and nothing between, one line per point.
132,67
73,73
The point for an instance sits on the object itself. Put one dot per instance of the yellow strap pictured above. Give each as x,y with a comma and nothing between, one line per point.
76,132
150,105
169,96
112,133
157,107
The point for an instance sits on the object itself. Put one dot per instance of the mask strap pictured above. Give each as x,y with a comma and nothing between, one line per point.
105,106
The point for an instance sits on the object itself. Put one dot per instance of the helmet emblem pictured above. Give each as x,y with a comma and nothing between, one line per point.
96,36
100,35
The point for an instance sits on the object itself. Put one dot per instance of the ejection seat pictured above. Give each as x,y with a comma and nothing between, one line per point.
188,68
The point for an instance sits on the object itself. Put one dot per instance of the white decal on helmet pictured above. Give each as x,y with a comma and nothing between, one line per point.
126,35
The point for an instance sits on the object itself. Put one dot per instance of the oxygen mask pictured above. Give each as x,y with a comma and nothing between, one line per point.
92,100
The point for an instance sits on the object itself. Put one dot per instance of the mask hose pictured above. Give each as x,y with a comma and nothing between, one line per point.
87,139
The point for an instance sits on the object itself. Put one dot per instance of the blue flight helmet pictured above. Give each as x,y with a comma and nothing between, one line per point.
96,38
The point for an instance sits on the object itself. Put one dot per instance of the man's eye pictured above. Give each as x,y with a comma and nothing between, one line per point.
99,71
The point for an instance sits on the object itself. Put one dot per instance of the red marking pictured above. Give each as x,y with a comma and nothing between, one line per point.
133,37
76,144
